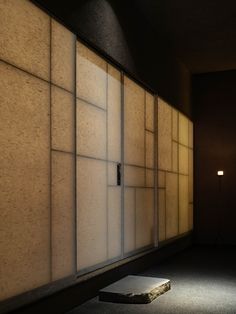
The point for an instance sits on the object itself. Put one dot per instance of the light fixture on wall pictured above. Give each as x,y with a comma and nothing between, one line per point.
220,173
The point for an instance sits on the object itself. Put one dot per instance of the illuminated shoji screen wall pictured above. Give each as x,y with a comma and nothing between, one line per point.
175,172
69,121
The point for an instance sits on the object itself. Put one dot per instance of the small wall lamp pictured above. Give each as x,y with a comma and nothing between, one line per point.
220,172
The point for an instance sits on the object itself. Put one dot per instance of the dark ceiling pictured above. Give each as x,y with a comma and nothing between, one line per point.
200,33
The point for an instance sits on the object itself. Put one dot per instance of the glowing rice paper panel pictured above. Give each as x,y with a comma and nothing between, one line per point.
91,78
129,219
91,130
164,136
144,217
62,56
161,214
91,212
114,114
63,215
183,204
150,178
175,124
134,149
161,179
134,176
190,134
149,112
25,37
62,120
114,222
183,129
172,214
175,157
183,159
149,150
25,169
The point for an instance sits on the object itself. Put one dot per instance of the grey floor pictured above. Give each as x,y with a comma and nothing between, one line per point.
203,281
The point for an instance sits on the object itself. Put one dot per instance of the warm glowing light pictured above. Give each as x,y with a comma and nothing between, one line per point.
220,172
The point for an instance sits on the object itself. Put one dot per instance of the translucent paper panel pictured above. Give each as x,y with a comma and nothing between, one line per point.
62,111
62,56
91,212
25,36
190,178
134,176
134,123
114,222
114,114
161,179
91,130
91,76
175,156
144,217
149,178
190,134
161,214
164,136
171,205
183,129
129,220
174,124
24,184
183,159
149,112
149,154
112,173
63,215
183,204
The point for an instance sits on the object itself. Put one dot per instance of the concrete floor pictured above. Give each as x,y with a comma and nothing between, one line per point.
203,281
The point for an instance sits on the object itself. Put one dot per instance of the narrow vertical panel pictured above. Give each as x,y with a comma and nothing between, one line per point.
149,178
175,163
161,214
62,111
164,136
114,114
114,222
24,184
62,56
91,130
183,129
91,212
149,150
133,123
161,179
183,159
144,217
134,176
63,215
171,205
183,204
149,112
25,36
91,76
174,124
190,178
129,220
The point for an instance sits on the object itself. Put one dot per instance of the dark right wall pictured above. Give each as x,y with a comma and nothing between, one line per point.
214,99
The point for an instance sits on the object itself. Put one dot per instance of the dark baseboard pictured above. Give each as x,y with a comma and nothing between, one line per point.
71,297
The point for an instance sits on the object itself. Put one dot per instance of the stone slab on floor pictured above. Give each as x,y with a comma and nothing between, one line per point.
134,289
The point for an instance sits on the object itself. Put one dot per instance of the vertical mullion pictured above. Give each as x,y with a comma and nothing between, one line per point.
107,162
156,192
122,114
50,144
75,156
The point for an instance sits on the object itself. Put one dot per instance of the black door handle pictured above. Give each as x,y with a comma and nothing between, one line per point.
118,174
